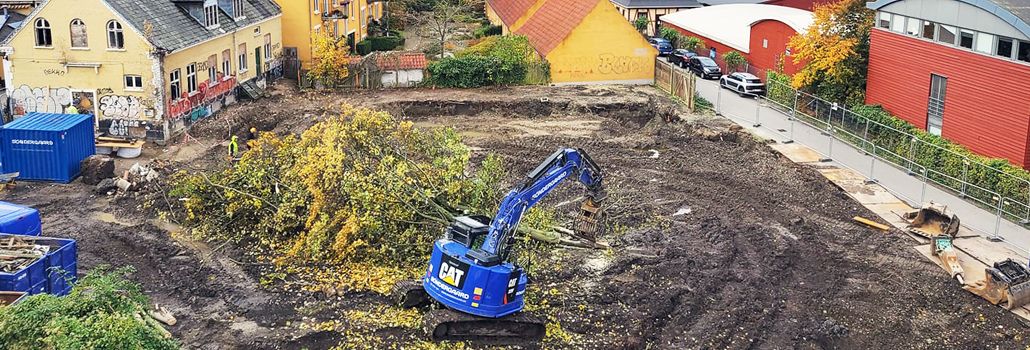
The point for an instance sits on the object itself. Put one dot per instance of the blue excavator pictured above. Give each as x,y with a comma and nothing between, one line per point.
470,270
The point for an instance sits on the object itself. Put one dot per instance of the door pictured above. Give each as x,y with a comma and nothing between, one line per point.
257,61
935,104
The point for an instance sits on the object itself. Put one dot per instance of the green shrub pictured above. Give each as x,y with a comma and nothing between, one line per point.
364,47
103,311
475,71
487,30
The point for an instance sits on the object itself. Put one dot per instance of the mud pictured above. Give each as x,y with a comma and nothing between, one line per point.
718,242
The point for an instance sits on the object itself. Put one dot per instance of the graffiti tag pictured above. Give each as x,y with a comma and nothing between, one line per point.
121,107
105,91
45,100
611,64
52,71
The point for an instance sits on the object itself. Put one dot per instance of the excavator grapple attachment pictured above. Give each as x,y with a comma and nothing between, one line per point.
1007,284
590,223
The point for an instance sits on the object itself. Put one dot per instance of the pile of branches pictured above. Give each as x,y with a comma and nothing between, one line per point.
103,311
359,188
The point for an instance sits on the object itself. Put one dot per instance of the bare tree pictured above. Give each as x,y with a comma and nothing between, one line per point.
441,21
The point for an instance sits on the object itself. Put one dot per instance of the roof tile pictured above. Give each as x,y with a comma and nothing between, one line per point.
174,28
554,21
510,10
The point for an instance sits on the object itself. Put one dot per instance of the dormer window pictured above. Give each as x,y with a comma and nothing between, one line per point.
237,9
211,14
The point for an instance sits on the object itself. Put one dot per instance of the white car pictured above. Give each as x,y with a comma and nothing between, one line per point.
743,83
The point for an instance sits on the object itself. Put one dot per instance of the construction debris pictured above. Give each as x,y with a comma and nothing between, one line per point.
871,223
1007,282
96,168
932,220
17,253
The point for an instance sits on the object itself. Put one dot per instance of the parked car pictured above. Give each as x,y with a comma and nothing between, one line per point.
679,57
664,46
743,83
704,67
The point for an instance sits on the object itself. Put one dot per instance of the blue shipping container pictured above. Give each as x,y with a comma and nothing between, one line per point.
19,220
47,147
53,274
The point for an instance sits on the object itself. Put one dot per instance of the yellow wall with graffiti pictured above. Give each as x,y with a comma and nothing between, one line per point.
603,48
49,79
301,20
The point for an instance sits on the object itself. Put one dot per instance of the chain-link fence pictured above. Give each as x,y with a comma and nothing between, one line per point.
981,182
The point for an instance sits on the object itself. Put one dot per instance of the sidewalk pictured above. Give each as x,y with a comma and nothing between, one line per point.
768,123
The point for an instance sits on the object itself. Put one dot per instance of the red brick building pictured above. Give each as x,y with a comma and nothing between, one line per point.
956,68
759,32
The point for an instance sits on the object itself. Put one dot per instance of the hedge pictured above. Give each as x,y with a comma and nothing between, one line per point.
379,43
943,159
487,30
475,71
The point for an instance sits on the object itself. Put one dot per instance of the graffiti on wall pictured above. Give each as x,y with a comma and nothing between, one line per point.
134,128
26,100
612,64
199,105
121,107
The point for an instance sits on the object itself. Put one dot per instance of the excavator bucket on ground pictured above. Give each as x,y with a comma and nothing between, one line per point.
931,221
1007,284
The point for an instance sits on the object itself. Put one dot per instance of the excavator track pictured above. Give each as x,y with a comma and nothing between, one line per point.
410,294
519,328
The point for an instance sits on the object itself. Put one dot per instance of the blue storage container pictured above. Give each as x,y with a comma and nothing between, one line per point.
19,220
54,273
47,147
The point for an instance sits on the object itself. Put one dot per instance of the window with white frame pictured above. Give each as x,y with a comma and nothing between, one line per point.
227,62
115,35
946,34
898,23
175,88
78,34
242,62
44,36
268,47
212,69
984,42
191,78
884,20
317,6
211,14
133,83
237,9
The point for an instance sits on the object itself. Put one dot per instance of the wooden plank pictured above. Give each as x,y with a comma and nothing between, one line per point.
872,223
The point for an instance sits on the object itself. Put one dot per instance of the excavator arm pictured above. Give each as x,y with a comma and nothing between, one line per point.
561,165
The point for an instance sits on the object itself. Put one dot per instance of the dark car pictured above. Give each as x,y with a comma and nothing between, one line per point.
679,57
743,83
704,67
664,46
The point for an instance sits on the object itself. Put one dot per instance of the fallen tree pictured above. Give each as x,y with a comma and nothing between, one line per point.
361,195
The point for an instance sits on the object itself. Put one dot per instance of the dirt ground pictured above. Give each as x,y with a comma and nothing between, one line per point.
718,242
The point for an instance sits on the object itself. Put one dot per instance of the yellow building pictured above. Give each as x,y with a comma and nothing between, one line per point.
145,69
585,41
342,19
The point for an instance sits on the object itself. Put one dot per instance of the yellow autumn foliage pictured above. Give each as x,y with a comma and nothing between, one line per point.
832,45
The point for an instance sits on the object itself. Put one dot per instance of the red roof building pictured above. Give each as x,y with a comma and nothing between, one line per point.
959,69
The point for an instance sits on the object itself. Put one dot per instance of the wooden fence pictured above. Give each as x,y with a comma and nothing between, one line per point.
678,82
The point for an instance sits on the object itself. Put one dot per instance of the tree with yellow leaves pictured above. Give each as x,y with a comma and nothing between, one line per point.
836,50
331,57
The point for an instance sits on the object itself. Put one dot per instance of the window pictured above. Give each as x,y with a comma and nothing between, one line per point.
237,9
1004,47
191,78
78,31
928,29
44,38
935,105
364,20
966,38
946,34
115,35
210,14
175,89
885,20
1023,54
212,69
242,62
268,47
898,24
257,31
984,42
912,27
227,62
133,82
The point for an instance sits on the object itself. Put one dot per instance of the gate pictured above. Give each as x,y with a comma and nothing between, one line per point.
290,63
678,82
